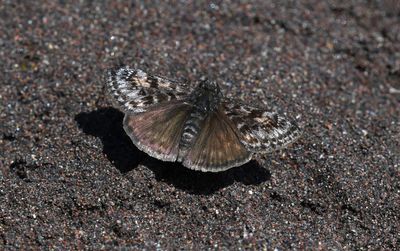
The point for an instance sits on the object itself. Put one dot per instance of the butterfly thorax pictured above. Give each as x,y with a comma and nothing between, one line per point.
206,96
205,99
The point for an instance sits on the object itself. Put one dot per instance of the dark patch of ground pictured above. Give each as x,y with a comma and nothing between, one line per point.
70,177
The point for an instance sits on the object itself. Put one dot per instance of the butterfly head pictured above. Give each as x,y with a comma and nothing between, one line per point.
207,95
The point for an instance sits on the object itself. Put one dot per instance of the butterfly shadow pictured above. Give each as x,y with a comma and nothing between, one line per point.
196,182
106,123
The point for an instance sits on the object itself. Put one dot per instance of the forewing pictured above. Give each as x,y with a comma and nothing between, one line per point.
261,131
135,91
158,130
217,147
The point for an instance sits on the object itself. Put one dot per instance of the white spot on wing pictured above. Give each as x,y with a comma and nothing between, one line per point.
141,74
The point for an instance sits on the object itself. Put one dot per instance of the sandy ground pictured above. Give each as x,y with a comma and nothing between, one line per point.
71,178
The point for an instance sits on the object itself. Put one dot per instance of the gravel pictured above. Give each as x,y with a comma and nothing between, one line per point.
71,178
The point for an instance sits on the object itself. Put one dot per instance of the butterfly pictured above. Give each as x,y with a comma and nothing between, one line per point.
198,127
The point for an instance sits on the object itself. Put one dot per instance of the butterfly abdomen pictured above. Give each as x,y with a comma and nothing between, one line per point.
205,100
191,129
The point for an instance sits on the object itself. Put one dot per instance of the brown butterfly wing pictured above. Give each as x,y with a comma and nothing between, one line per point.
217,147
158,130
261,131
135,91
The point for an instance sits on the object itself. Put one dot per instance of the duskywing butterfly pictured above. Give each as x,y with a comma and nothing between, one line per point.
200,128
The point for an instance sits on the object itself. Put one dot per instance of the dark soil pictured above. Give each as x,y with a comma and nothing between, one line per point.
71,178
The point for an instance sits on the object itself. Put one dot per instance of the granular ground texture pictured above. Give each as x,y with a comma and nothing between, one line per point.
71,178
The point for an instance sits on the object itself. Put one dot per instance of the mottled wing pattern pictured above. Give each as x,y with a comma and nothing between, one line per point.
158,130
261,131
135,91
217,146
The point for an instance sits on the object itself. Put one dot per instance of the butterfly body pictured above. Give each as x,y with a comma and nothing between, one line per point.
205,99
200,128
